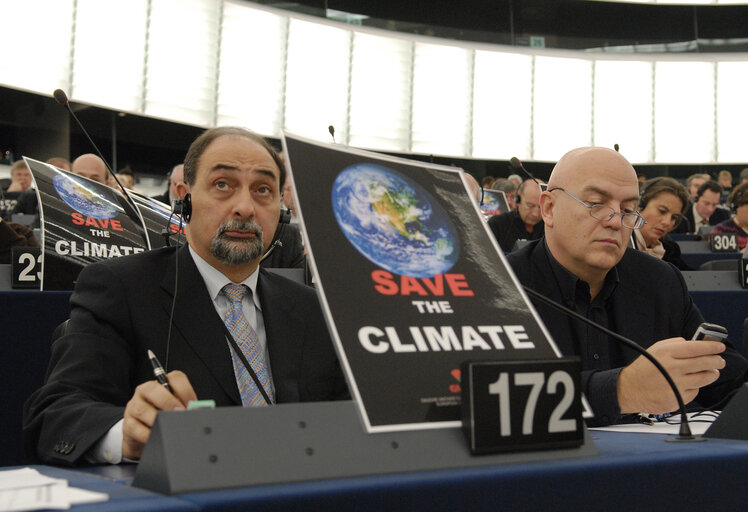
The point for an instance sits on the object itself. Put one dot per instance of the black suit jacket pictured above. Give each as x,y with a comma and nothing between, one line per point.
650,303
687,224
120,308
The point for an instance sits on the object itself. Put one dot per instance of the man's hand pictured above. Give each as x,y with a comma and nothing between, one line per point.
691,364
15,186
149,398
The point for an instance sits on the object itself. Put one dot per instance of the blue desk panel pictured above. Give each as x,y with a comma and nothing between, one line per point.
28,319
632,472
727,308
694,253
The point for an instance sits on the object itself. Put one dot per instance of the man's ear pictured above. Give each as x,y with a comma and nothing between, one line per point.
183,189
546,208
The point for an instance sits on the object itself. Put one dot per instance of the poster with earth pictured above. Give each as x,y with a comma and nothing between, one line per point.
411,281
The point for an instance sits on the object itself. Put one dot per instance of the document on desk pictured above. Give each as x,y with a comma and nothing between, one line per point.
27,489
699,423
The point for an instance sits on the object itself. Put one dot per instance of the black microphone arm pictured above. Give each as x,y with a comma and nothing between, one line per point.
685,430
516,164
62,99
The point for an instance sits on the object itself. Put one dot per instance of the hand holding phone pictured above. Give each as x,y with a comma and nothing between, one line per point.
712,332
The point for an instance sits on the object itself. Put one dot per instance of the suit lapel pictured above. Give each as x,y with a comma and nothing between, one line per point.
284,333
196,321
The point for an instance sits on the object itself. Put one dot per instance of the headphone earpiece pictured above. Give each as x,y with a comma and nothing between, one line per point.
285,216
517,199
186,207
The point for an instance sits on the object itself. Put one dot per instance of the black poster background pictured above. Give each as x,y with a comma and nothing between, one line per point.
397,391
56,220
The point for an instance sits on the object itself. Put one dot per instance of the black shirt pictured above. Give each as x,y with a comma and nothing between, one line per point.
509,227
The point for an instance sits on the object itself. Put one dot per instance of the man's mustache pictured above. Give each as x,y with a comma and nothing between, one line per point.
241,225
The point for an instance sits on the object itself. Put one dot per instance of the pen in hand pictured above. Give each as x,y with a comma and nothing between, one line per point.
158,371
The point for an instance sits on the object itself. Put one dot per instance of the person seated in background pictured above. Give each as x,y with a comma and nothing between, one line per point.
744,176
474,187
642,180
584,262
662,203
20,182
126,177
14,235
176,177
486,181
695,181
704,210
60,163
524,223
20,177
724,178
90,166
288,201
509,189
516,179
738,223
100,401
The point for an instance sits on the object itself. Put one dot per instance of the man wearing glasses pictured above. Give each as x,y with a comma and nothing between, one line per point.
524,223
589,211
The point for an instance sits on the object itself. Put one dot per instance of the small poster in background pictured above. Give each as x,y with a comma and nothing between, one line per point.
494,202
83,221
410,279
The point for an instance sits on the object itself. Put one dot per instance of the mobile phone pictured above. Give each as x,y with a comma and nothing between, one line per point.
712,332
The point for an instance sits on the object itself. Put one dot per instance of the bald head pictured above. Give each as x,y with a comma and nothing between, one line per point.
90,166
582,164
473,186
585,245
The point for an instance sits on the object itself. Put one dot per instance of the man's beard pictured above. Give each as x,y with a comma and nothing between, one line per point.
237,251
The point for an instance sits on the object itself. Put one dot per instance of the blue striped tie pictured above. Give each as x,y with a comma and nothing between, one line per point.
246,339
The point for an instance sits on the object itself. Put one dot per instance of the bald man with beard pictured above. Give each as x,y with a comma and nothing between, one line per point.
583,262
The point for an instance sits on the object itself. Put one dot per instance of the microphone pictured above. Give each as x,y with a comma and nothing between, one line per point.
616,147
331,129
62,99
517,165
685,430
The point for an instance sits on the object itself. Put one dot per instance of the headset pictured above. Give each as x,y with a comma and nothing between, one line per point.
738,197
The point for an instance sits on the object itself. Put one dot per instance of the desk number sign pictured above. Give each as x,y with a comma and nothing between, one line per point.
723,242
26,267
522,405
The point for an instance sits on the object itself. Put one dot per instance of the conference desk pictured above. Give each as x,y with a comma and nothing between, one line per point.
695,253
632,472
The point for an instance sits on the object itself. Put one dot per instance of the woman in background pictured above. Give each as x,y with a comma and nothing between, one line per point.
662,203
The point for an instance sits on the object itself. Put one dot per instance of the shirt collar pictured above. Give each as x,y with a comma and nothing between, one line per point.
215,280
569,283
697,219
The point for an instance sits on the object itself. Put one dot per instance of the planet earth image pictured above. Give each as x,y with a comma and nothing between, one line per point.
79,195
394,222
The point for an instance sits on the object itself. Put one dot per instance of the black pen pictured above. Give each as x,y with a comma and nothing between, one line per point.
158,371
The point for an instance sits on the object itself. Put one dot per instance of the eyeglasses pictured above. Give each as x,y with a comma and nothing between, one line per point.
601,212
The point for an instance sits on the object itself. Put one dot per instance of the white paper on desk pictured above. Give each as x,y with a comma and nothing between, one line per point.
27,489
660,427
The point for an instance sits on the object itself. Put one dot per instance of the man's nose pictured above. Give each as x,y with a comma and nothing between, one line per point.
244,206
